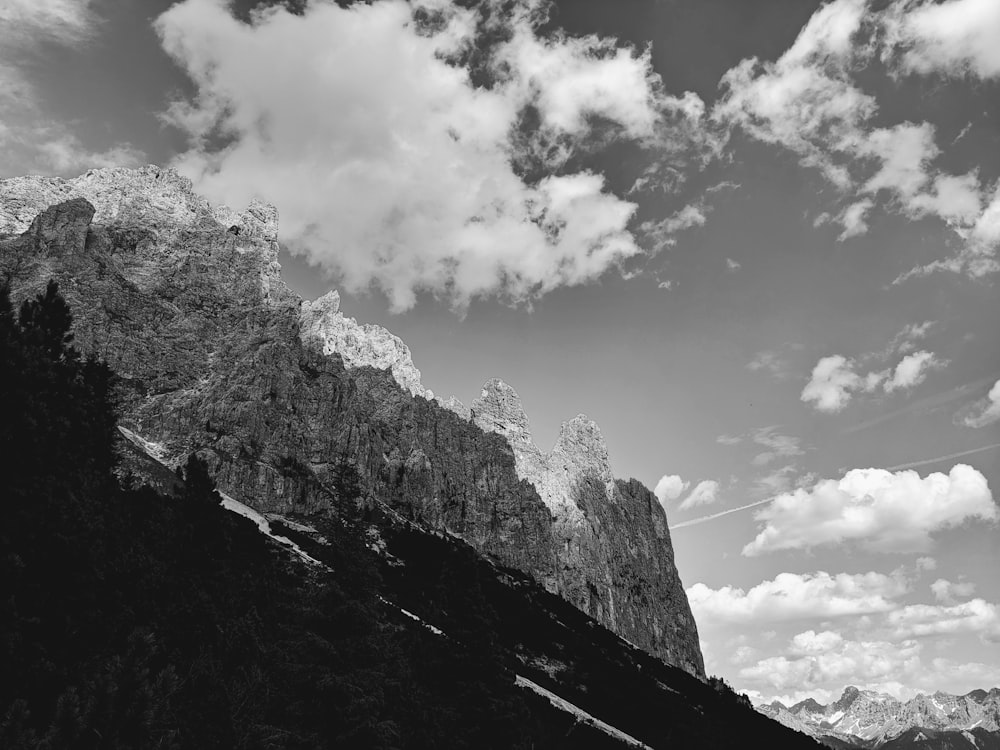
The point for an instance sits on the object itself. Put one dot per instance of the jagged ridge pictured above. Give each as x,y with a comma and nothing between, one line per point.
186,302
871,718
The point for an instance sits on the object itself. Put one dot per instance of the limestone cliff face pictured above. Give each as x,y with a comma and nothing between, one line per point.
358,345
215,354
612,542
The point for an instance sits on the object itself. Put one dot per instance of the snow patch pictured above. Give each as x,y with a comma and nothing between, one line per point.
434,630
235,506
154,450
579,713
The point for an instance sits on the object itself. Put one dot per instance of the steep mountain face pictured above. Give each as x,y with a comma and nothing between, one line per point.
868,719
216,355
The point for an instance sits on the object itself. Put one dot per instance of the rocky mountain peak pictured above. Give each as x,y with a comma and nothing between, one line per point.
848,697
324,325
581,444
259,221
498,409
809,704
64,225
159,204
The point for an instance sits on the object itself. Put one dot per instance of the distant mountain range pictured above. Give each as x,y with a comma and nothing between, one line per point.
868,719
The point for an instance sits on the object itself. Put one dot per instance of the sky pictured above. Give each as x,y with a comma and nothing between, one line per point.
756,242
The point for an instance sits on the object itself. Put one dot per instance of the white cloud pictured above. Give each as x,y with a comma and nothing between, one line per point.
771,362
947,591
777,445
833,384
24,23
63,153
805,100
704,493
884,511
776,481
974,616
835,380
399,170
670,487
743,654
30,139
987,411
912,371
809,102
811,642
955,37
854,218
837,661
904,341
790,596
977,257
733,265
661,234
888,657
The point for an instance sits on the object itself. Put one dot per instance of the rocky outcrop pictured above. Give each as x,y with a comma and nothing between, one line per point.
611,537
358,345
217,355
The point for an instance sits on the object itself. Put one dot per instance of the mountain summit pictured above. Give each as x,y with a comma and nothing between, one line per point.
217,356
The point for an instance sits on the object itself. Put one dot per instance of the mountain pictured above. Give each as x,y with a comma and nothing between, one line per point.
141,609
215,355
864,718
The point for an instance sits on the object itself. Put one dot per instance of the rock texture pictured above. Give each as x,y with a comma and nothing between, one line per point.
592,515
215,354
358,345
867,718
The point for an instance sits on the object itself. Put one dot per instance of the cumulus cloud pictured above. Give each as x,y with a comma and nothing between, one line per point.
836,380
670,487
30,139
912,371
811,642
837,661
955,38
882,510
704,493
833,384
986,411
975,616
791,596
403,169
946,591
